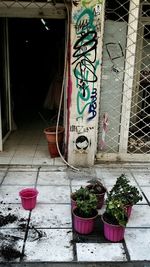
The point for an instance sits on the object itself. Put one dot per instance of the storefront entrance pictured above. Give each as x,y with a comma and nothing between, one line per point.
31,72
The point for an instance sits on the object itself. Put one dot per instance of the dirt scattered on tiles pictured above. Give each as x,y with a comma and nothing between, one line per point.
8,252
10,246
10,218
36,234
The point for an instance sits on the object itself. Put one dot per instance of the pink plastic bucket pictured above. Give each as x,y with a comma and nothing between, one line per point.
114,233
28,198
83,225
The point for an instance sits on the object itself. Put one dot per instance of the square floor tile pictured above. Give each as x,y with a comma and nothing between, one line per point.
140,216
43,161
51,216
53,178
22,160
7,152
3,168
2,174
100,252
110,175
54,194
80,181
5,160
42,141
20,178
20,216
10,194
41,152
25,151
55,245
142,176
25,168
138,244
58,161
29,141
83,174
14,240
146,193
53,168
82,177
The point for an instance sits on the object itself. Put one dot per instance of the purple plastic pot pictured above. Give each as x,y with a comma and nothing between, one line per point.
28,198
128,210
73,204
83,225
114,233
100,200
100,197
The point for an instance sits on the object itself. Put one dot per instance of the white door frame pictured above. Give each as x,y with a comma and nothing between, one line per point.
7,85
24,10
129,74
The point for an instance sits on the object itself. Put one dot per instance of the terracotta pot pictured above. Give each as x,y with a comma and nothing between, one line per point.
83,225
114,233
50,134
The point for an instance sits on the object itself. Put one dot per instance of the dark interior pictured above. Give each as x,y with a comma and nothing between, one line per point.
36,49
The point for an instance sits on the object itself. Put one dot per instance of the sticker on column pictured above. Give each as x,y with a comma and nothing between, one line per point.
82,144
105,123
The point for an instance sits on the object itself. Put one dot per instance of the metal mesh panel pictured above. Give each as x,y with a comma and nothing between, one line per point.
125,83
33,8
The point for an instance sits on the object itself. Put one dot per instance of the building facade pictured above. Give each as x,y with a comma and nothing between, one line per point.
103,63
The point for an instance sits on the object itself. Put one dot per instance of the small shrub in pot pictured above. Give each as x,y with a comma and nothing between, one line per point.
85,212
115,219
127,193
96,187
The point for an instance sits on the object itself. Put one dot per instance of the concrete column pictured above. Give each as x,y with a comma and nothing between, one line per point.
84,80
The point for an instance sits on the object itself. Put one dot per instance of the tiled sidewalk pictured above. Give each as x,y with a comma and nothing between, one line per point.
46,235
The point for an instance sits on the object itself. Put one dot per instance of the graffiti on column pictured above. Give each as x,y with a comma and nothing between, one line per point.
87,3
85,60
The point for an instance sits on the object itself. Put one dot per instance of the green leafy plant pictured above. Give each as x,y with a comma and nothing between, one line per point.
115,212
87,207
80,194
86,203
128,194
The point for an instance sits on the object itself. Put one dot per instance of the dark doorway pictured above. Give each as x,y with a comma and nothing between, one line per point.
36,48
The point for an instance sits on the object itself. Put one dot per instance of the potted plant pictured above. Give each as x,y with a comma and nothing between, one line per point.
96,187
50,134
85,212
128,194
79,194
115,219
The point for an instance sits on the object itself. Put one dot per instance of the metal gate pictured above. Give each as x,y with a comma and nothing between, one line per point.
124,122
34,8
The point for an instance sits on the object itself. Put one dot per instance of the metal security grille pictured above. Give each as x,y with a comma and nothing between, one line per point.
124,124
54,9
